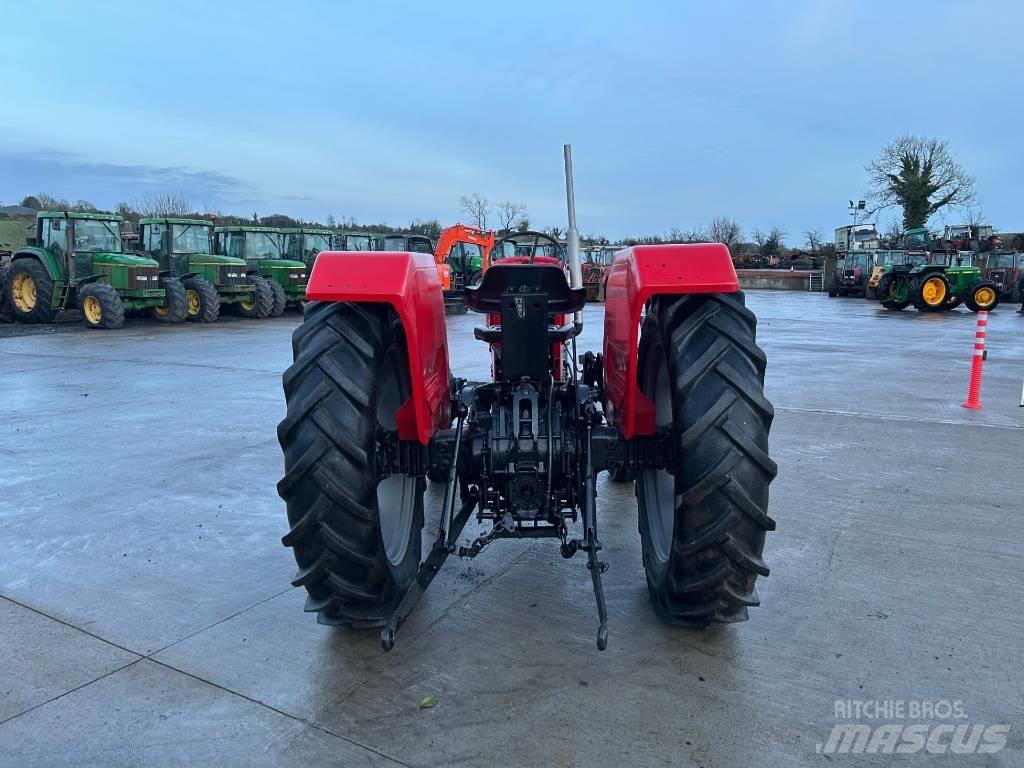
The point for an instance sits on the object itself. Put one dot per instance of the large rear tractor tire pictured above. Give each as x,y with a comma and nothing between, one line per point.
202,300
29,291
356,538
262,302
101,306
982,295
929,292
278,297
175,307
703,524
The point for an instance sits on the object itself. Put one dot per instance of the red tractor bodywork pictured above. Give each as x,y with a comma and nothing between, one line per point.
408,282
638,274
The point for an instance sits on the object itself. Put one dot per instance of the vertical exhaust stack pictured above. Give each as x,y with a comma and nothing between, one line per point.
573,235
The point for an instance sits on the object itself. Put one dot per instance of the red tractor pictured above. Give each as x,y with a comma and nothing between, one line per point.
674,401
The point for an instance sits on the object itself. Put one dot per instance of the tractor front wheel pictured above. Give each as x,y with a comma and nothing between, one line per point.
202,300
703,522
101,306
29,292
262,300
175,306
355,535
278,298
982,295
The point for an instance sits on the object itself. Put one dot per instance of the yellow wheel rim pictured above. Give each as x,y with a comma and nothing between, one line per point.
247,305
92,309
985,297
933,291
23,291
161,311
193,303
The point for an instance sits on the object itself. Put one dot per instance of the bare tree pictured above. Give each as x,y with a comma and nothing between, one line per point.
892,232
331,223
814,239
921,176
726,231
52,203
509,215
164,204
477,207
760,237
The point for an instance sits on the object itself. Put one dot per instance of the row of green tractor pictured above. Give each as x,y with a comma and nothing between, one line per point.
181,269
928,280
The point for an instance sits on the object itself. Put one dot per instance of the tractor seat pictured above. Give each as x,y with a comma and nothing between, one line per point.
502,280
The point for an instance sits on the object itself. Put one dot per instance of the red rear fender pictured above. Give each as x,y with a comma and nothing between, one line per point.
638,274
408,282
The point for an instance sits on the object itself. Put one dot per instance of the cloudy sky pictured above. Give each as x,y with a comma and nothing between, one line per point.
388,111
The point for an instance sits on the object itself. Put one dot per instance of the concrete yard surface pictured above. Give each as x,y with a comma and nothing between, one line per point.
147,617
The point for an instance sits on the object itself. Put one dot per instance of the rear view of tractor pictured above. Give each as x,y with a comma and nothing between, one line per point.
462,254
675,399
261,249
184,248
75,260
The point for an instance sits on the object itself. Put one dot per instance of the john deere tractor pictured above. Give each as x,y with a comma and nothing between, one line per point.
261,249
76,260
936,284
183,248
303,244
355,241
407,243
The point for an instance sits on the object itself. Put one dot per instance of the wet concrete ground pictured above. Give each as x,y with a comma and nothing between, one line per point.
146,616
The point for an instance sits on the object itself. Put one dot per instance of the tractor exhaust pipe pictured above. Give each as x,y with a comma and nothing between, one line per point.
573,235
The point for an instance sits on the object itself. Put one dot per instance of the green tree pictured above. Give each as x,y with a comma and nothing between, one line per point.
921,176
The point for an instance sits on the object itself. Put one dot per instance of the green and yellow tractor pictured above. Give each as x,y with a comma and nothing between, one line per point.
302,244
184,248
940,281
76,260
261,248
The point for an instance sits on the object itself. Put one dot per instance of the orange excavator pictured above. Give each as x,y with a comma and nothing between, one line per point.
462,253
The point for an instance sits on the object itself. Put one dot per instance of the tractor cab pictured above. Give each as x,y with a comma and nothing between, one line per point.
355,241
261,247
411,243
916,239
304,244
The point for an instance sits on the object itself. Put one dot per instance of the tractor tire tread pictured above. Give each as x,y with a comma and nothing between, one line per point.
209,299
723,470
111,306
329,484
